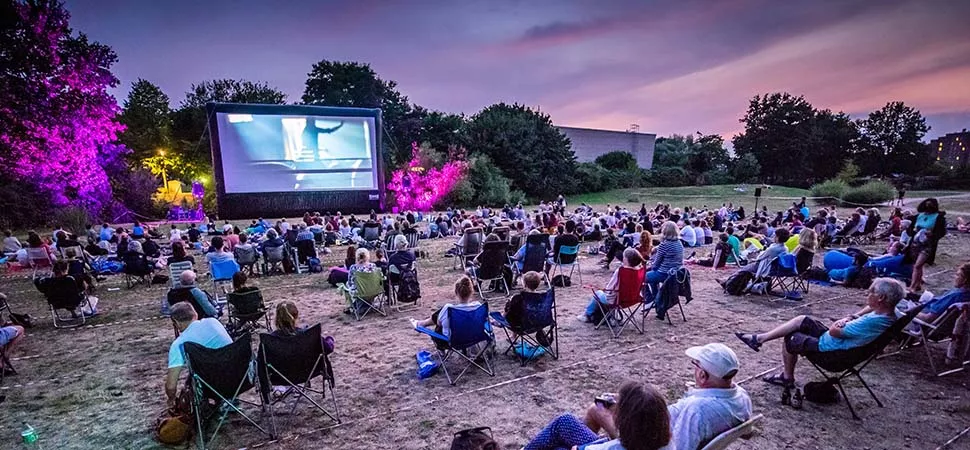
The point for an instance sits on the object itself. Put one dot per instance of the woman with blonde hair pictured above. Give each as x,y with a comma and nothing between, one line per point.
464,289
668,257
287,317
805,251
646,245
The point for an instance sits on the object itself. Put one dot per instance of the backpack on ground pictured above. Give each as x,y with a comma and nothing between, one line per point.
737,284
561,281
314,264
409,290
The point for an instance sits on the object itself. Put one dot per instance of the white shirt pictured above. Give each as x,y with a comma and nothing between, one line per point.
175,235
704,413
687,234
207,332
699,236
285,226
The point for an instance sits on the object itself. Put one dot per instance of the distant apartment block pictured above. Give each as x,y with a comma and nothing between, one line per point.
951,150
589,143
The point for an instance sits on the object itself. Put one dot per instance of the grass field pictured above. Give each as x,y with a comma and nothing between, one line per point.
776,198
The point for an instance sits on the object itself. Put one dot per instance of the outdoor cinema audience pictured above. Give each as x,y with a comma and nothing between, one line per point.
207,332
188,292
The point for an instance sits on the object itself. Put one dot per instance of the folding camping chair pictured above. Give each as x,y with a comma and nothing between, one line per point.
246,258
783,273
473,238
743,431
629,299
305,249
294,361
372,235
469,329
568,257
654,301
534,260
502,232
39,261
247,309
273,259
368,294
414,241
926,333
220,374
539,318
63,293
837,365
222,272
490,268
138,270
175,271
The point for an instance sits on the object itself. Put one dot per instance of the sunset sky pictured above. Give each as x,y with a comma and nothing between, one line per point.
676,66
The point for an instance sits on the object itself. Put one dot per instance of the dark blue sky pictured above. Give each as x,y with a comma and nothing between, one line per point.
671,66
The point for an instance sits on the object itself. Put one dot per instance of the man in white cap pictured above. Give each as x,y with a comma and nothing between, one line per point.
712,407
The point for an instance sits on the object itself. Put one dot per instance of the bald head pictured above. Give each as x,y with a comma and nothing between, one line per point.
187,278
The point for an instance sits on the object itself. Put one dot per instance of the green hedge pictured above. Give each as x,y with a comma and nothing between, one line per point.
830,190
871,193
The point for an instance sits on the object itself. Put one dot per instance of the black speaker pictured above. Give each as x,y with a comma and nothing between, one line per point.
757,192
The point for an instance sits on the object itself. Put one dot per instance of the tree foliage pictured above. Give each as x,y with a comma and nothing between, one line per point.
699,157
891,140
778,130
745,168
524,144
618,160
55,110
147,117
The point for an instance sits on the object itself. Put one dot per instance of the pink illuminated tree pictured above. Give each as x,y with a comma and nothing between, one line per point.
56,115
419,184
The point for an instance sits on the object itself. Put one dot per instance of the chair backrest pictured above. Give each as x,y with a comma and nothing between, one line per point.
943,325
494,256
539,309
413,240
274,254
473,241
224,270
568,254
305,249
137,264
224,368
72,252
297,357
61,292
245,255
247,301
184,294
372,232
725,439
468,327
839,360
628,291
368,284
175,269
501,232
514,243
38,257
536,250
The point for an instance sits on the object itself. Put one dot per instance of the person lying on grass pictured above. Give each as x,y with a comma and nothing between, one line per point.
805,335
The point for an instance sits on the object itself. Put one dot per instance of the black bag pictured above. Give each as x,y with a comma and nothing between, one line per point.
862,279
159,278
561,281
737,284
817,273
409,290
24,320
821,392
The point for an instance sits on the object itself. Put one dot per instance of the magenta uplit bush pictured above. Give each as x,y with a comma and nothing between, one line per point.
417,187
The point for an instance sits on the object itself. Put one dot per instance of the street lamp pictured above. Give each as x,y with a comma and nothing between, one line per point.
164,173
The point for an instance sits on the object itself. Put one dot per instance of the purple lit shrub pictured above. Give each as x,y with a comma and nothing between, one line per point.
419,188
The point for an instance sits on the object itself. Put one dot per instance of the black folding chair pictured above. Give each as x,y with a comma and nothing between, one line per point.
837,365
538,327
293,361
247,309
491,268
670,289
220,374
537,250
63,293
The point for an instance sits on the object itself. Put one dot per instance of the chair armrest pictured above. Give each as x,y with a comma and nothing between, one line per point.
431,333
499,320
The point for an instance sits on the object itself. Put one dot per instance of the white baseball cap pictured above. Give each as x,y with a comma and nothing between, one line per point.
716,359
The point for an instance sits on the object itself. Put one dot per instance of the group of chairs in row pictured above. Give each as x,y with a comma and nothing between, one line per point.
223,375
633,294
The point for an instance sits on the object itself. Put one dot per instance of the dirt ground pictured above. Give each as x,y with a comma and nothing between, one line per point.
101,386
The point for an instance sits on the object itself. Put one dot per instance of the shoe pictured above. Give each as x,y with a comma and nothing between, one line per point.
583,318
720,281
750,340
7,371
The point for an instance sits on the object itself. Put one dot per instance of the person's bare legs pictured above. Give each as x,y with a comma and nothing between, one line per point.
916,283
789,360
13,342
600,418
781,330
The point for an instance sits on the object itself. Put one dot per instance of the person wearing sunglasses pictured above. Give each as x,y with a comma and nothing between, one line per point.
637,414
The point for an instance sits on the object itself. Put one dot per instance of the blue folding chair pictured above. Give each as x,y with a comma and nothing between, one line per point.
783,273
538,332
568,257
222,272
468,330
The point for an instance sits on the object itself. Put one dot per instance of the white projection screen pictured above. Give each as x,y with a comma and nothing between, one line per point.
293,153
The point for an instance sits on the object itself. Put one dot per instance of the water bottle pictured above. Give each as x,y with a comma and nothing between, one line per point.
29,436
426,364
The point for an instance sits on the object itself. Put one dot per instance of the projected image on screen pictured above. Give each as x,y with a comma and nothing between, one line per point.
284,153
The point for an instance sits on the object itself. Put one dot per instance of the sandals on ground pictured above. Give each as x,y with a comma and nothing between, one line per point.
750,340
778,379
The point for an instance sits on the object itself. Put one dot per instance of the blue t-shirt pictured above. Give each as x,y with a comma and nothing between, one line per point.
138,231
805,212
206,332
843,274
941,303
856,333
106,234
925,221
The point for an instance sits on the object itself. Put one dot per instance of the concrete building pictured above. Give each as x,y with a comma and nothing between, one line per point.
589,143
951,150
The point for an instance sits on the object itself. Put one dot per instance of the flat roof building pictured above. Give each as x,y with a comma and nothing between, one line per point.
951,150
589,143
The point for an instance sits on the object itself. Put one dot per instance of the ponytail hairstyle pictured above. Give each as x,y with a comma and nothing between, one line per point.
463,288
286,317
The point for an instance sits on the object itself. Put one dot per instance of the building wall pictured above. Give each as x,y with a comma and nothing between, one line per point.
589,143
951,150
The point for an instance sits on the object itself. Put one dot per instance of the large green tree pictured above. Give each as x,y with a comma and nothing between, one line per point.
695,157
525,145
778,130
147,117
834,138
891,140
336,83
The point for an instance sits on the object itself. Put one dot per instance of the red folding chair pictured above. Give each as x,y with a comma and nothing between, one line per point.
628,301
